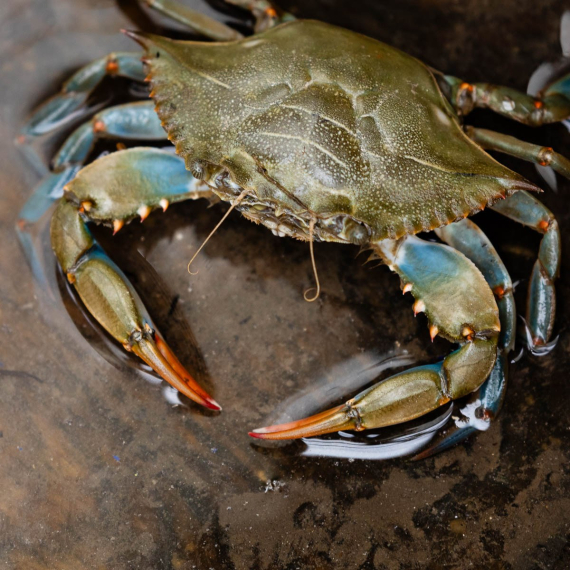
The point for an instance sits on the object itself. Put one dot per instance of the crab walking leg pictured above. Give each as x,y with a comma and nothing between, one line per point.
266,13
132,121
485,403
459,305
524,208
66,105
115,189
541,155
196,21
551,105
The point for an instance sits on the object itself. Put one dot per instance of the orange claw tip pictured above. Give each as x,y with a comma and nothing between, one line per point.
157,354
336,419
433,331
211,404
164,203
419,307
144,212
117,225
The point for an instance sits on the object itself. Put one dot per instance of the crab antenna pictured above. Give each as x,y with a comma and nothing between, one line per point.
234,204
318,288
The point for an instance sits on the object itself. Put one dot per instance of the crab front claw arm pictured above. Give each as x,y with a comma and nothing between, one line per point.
459,305
124,183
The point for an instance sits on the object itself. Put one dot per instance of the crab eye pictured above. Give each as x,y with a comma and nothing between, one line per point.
356,232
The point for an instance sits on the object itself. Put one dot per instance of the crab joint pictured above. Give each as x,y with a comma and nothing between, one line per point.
499,291
543,225
112,67
545,156
465,98
99,126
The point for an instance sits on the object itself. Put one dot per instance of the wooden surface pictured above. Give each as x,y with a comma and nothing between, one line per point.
98,470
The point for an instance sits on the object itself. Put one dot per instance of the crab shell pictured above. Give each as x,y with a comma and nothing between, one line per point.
320,123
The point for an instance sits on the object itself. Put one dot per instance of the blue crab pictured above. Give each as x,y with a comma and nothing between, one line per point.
320,134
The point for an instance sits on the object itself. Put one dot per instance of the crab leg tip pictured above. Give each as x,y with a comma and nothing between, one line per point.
212,404
257,433
332,420
164,203
158,355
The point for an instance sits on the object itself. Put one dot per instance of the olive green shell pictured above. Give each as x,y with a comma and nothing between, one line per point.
320,120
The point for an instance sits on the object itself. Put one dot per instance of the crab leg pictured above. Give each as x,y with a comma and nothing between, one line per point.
115,189
524,208
459,305
131,121
541,155
196,21
484,404
134,121
266,13
551,105
65,106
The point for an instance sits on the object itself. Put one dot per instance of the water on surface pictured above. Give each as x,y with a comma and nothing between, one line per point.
102,469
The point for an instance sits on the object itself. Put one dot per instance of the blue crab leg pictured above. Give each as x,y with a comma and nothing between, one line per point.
196,21
115,189
524,208
266,13
460,306
133,121
66,105
484,404
551,105
540,155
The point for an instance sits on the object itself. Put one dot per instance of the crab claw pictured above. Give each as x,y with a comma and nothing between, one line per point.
397,399
113,302
336,419
158,355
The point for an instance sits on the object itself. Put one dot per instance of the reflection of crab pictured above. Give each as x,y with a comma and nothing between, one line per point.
320,134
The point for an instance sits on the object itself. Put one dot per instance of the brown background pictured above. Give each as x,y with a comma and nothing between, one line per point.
190,489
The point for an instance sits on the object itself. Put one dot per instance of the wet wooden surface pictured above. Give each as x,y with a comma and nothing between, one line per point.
98,470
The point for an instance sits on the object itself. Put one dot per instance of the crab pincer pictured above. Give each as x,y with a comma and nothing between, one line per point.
111,191
436,273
